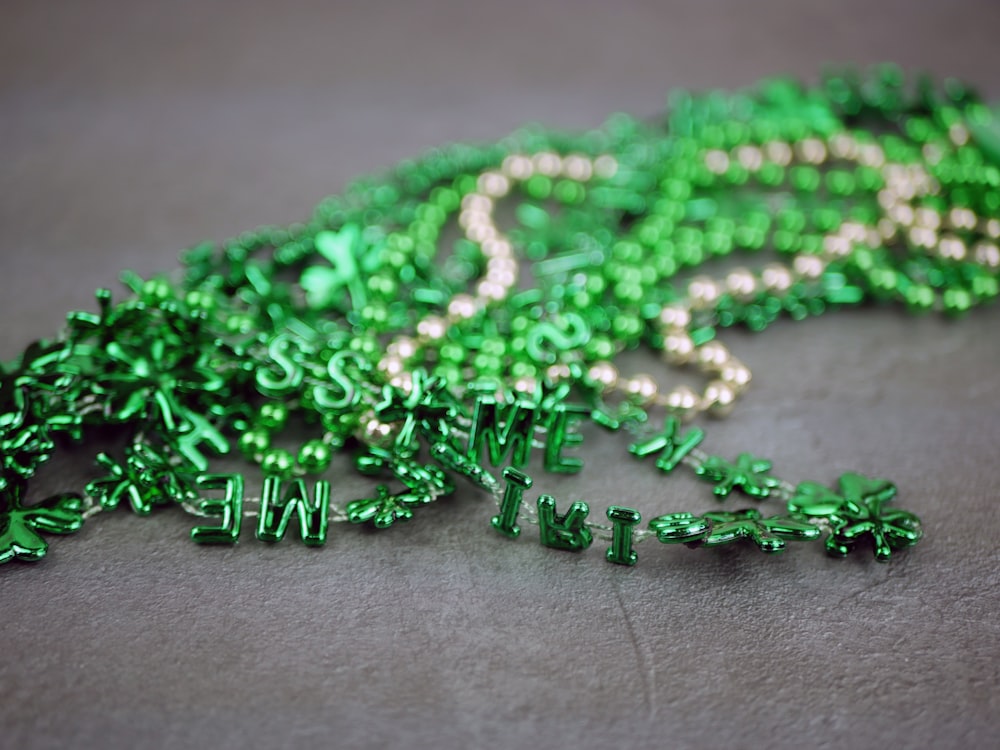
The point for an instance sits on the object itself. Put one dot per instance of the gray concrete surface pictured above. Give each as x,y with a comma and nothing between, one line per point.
130,130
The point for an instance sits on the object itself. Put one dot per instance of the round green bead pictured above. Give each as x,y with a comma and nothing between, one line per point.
278,462
314,457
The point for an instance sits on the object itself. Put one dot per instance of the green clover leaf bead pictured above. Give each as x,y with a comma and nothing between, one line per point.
325,285
146,478
385,509
769,534
857,512
748,473
25,442
680,528
21,526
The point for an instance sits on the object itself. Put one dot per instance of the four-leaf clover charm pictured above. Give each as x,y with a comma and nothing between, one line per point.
21,526
856,512
747,472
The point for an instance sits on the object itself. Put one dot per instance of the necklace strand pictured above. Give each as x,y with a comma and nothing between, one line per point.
450,318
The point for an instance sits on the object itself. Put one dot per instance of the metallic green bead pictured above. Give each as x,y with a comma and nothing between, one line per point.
672,445
566,532
856,511
277,510
278,462
254,442
622,519
314,457
506,522
272,416
21,526
769,534
682,528
748,473
229,509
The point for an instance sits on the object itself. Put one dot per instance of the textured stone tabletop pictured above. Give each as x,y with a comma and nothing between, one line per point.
131,130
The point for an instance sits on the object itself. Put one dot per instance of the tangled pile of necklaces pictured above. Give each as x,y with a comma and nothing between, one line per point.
398,322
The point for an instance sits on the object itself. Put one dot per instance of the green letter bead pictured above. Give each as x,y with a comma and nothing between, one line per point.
673,445
506,521
276,511
514,438
622,519
230,508
559,436
567,532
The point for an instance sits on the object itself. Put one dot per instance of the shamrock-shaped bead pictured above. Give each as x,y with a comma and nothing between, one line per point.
856,512
21,526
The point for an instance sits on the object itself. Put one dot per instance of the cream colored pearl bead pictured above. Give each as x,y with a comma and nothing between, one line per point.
987,254
808,266
675,316
922,237
871,155
498,247
992,228
462,307
741,283
682,399
641,386
432,328
962,218
678,348
374,432
473,217
525,384
811,151
390,365
736,374
577,167
712,356
703,291
837,246
719,398
750,158
776,278
557,372
517,167
927,218
480,233
403,381
843,146
491,291
717,161
951,247
403,347
493,184
547,163
778,152
605,166
477,202
902,214
604,373
958,134
853,231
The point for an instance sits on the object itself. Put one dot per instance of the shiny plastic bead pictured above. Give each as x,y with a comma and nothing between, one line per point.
568,531
506,522
229,509
747,473
21,526
623,520
278,505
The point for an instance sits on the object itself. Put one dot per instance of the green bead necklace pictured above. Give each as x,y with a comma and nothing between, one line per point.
448,320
